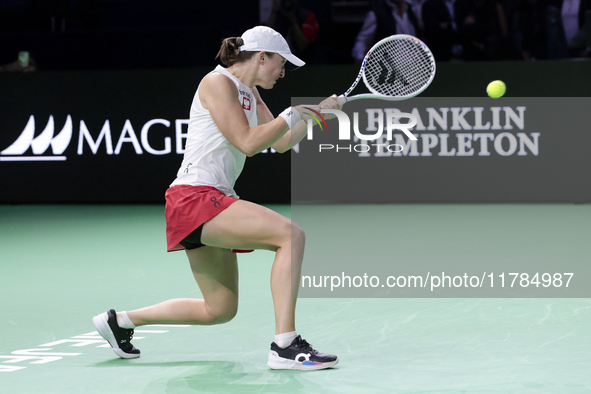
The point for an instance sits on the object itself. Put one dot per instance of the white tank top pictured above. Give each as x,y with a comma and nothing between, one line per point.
210,159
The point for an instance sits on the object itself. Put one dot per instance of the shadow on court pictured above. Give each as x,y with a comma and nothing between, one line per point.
226,376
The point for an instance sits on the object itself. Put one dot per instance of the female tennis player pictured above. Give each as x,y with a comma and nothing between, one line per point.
228,122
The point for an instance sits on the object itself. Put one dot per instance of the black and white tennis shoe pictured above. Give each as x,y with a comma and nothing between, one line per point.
119,338
299,355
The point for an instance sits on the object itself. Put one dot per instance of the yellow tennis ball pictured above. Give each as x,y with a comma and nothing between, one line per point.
496,89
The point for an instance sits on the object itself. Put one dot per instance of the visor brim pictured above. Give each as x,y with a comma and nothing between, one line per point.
293,59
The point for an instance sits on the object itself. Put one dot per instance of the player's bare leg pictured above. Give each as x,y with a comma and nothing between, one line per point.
216,273
249,226
245,225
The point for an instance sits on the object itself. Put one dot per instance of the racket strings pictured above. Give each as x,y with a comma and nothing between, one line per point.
398,68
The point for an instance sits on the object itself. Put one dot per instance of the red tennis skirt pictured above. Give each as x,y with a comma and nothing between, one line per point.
188,207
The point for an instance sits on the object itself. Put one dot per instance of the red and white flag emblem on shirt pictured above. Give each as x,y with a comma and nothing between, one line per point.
246,103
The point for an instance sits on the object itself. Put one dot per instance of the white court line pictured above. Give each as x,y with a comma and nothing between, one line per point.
90,338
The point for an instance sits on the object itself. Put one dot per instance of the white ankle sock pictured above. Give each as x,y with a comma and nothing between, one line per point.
285,339
124,321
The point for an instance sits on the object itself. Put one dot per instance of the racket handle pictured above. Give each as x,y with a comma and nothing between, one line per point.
342,99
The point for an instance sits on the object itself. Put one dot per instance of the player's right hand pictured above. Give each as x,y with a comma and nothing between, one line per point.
331,102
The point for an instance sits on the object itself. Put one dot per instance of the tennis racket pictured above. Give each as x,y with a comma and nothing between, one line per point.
396,68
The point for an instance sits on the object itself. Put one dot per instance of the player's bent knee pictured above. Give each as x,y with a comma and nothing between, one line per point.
221,319
290,233
298,236
222,316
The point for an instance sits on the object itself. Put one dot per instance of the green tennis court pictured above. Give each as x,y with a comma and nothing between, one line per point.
62,264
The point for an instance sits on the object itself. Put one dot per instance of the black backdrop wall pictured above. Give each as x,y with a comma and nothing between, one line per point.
117,136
